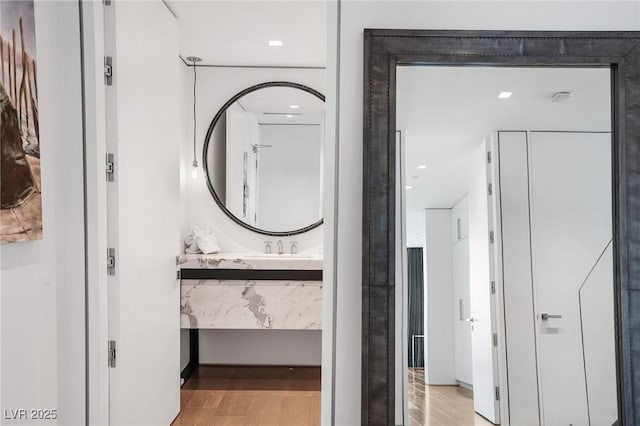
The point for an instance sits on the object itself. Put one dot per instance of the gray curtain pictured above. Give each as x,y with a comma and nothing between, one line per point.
415,276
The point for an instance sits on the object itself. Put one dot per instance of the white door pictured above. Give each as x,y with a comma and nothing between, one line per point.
571,229
484,353
143,121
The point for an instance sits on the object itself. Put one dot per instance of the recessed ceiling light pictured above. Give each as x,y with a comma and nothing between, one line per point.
289,116
275,43
294,106
505,95
408,187
422,166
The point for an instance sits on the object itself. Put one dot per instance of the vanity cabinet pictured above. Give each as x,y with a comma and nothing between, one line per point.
251,292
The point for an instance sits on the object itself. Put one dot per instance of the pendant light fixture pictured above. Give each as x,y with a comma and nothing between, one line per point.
194,60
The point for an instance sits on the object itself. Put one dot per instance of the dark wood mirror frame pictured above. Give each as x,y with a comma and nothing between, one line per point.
383,51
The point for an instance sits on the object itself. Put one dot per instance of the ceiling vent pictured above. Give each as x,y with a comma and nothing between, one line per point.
561,97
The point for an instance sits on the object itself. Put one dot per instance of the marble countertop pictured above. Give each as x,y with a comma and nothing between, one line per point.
251,261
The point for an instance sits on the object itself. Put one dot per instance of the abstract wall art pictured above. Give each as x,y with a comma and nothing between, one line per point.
20,183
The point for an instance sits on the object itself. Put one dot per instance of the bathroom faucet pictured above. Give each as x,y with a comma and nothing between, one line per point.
267,247
280,247
294,247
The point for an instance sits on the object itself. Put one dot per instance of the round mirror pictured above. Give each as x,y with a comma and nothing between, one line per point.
263,158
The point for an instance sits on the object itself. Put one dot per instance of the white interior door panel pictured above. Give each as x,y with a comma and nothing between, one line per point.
484,354
571,228
144,134
517,281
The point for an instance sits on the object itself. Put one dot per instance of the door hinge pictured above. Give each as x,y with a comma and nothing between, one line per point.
108,70
178,274
490,189
112,353
111,261
495,339
110,168
493,287
489,157
491,237
497,393
106,2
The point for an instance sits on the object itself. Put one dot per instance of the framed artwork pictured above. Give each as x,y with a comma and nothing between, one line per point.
20,182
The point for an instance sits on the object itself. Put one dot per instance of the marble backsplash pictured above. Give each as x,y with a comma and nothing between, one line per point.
237,304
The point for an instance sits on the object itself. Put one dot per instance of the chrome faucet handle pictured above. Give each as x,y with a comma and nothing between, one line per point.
280,247
267,247
294,247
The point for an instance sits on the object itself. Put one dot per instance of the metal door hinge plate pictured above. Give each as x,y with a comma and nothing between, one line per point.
489,157
111,261
108,70
493,287
491,237
490,189
112,353
497,393
495,339
110,168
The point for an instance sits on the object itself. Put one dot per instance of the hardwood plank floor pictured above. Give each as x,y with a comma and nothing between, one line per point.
278,396
250,396
440,405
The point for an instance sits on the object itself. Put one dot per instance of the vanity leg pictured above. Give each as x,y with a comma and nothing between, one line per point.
194,360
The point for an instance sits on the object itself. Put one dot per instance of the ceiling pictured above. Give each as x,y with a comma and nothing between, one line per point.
445,112
237,32
283,105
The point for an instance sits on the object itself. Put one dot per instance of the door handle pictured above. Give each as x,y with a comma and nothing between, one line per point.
545,317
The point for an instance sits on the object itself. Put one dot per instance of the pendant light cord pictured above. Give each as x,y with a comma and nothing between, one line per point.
195,161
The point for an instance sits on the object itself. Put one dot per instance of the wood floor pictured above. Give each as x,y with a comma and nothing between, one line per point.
280,396
251,396
440,405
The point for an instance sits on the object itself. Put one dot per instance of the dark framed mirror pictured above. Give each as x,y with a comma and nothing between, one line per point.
263,158
387,49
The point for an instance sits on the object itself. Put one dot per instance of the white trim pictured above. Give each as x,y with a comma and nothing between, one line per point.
500,330
330,204
96,212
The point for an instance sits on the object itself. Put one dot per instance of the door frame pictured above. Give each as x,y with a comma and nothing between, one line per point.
383,51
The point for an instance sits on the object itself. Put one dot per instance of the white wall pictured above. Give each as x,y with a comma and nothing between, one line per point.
289,176
438,296
461,291
42,282
261,347
354,17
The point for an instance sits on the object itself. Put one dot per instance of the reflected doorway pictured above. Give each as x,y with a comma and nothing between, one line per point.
506,179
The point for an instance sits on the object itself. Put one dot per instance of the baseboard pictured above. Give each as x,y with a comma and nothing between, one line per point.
465,385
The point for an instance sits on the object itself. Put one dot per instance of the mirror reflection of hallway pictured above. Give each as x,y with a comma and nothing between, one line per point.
506,179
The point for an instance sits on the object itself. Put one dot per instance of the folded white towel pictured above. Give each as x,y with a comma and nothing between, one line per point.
201,241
